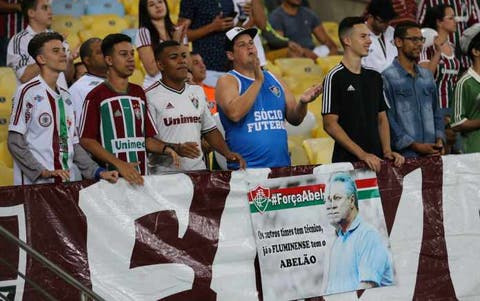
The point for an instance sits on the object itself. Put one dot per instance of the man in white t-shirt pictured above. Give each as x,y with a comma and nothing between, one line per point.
39,15
92,57
382,50
181,114
42,137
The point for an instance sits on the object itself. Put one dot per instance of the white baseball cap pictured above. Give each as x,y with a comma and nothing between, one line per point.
233,33
468,35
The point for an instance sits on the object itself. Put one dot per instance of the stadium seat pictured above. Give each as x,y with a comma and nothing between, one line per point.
273,68
101,25
6,175
5,157
66,24
4,119
332,30
272,55
132,21
174,9
131,7
110,22
66,7
319,150
106,7
328,62
298,66
137,77
298,83
8,84
131,32
298,156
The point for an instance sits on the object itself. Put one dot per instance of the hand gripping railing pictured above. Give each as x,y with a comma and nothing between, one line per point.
85,292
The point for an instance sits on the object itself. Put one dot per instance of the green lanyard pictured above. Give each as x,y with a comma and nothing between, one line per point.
63,133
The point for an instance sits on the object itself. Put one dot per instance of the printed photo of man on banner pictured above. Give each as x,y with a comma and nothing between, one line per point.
320,234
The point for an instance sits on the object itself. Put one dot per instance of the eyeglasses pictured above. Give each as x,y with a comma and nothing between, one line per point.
415,39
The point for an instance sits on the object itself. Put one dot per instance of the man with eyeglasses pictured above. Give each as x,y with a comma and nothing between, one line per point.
382,50
416,122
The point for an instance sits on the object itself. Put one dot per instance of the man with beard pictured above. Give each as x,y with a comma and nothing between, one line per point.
353,106
359,258
416,121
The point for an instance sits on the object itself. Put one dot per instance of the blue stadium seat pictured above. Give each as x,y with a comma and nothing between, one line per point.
106,7
67,7
131,32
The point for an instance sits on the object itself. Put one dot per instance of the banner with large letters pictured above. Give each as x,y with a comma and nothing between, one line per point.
190,236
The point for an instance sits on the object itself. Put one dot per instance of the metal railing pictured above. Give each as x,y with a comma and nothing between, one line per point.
85,292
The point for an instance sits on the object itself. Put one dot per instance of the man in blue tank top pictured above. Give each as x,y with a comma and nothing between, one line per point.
253,105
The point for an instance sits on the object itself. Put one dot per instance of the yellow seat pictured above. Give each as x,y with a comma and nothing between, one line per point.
8,86
298,156
273,68
5,157
331,29
112,23
289,63
6,175
131,7
298,83
273,55
137,77
74,41
319,150
66,24
328,62
3,127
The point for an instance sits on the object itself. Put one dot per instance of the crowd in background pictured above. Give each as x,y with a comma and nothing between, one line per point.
407,85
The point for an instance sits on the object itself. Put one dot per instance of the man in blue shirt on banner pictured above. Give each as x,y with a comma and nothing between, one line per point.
359,258
253,105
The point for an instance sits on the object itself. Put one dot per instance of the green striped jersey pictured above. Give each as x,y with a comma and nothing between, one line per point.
467,106
119,122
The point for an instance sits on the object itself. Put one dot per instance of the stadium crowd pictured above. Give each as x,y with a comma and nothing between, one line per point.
229,84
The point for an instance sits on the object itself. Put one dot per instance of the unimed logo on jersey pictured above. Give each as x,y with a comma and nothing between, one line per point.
123,145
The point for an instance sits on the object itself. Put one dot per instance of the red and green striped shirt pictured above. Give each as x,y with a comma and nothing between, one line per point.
119,122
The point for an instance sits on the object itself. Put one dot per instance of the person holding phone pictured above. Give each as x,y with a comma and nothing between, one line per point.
207,22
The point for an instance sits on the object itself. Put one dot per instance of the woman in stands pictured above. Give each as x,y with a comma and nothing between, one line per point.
441,60
155,26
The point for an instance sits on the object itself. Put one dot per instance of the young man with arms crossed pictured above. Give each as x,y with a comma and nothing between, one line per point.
354,109
42,137
116,127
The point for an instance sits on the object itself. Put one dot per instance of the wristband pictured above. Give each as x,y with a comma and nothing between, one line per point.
98,172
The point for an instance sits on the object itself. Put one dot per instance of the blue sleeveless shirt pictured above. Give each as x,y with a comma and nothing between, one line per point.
260,136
